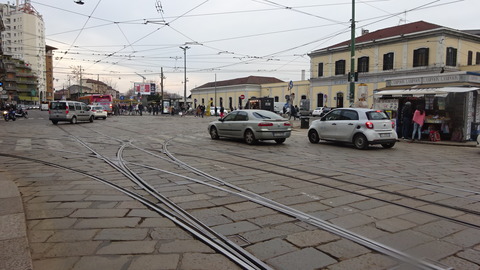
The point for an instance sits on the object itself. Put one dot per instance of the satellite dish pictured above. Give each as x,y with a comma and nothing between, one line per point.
80,2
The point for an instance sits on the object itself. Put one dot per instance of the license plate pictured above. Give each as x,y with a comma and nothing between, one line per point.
278,134
383,135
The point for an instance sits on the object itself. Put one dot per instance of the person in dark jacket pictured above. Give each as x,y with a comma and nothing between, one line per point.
407,115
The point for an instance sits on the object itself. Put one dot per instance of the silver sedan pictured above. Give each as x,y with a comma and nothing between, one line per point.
251,125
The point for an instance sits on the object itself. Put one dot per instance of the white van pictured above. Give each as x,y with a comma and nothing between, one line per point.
44,107
278,107
69,111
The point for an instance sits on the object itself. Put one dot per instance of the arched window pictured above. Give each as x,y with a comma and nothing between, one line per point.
303,97
340,100
276,98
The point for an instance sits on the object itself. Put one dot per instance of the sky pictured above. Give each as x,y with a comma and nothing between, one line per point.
121,42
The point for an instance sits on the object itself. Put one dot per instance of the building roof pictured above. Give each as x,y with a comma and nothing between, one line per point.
240,81
392,32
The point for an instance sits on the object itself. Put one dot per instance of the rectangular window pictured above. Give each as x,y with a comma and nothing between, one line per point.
340,67
362,65
451,59
420,57
470,58
320,69
477,60
388,61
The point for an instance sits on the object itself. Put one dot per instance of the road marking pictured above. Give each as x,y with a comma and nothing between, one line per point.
23,145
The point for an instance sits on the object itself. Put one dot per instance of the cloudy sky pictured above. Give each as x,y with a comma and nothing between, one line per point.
120,41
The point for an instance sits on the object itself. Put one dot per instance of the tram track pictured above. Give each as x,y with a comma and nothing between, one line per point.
256,198
124,166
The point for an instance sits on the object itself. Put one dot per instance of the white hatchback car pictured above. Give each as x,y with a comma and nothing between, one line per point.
359,126
98,111
320,111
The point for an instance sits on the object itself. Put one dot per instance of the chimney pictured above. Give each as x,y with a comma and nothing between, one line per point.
365,31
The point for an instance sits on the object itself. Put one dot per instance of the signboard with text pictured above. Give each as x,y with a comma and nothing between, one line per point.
144,88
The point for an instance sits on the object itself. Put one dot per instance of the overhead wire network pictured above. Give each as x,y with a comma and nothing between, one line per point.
156,38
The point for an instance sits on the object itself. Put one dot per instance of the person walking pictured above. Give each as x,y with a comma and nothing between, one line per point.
418,120
406,119
222,111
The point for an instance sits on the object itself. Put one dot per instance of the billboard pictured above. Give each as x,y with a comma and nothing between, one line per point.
144,88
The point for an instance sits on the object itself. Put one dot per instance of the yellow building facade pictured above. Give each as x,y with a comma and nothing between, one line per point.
413,49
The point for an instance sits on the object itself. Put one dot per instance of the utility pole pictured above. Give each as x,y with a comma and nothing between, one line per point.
215,94
81,87
184,48
161,88
352,59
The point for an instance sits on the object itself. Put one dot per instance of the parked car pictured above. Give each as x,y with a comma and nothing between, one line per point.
251,125
69,111
320,111
362,127
98,111
212,111
478,141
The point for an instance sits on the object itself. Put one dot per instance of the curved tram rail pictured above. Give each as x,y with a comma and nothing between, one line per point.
235,190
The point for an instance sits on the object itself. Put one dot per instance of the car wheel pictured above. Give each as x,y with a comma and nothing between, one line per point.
388,145
54,122
91,119
105,118
313,136
74,120
214,133
280,141
249,137
360,141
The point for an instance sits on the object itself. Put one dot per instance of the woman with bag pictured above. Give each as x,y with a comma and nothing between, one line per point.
418,120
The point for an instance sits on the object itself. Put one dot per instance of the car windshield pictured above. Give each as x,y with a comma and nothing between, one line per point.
267,115
377,115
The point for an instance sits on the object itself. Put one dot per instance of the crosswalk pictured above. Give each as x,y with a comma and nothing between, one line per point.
28,144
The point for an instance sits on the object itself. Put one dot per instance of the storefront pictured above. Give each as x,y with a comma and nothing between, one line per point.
452,105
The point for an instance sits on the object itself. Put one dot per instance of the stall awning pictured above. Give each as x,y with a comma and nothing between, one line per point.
420,92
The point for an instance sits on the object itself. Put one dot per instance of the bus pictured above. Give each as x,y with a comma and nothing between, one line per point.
106,101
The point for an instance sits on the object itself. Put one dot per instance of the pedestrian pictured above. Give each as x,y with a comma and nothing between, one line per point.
222,111
140,109
202,110
418,120
406,119
292,113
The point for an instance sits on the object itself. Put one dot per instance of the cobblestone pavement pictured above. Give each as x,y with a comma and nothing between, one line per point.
52,218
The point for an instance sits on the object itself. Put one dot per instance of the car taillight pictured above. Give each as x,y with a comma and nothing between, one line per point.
94,110
393,125
369,125
66,110
287,124
265,124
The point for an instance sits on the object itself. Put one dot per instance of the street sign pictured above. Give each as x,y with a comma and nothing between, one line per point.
242,96
290,85
122,97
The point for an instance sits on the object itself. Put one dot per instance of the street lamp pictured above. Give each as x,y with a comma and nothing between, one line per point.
184,48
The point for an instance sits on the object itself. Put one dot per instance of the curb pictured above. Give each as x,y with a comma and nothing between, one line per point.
14,246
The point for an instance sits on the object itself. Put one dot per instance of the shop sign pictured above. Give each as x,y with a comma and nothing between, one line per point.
386,104
405,81
441,79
